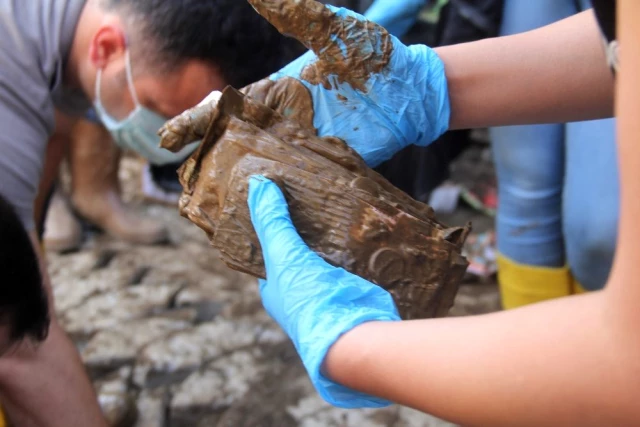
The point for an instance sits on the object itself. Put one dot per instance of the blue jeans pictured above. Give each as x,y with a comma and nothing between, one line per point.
558,184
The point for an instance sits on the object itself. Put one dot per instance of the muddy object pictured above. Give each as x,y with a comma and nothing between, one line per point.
347,213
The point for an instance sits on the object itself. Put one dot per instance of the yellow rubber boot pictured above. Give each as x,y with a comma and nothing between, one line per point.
522,284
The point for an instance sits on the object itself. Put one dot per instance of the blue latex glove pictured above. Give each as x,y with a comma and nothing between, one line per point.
314,302
392,95
397,16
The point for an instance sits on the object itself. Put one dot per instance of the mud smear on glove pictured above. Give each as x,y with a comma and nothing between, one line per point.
343,210
348,50
287,95
290,97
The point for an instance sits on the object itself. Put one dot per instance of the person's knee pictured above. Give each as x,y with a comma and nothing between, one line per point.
590,245
529,165
529,160
530,210
591,201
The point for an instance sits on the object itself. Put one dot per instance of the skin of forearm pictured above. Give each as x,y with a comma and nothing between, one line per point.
557,363
628,112
624,277
553,74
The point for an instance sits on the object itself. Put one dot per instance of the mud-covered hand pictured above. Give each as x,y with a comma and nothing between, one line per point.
314,302
357,82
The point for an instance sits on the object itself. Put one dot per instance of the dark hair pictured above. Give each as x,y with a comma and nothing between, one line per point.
23,300
227,33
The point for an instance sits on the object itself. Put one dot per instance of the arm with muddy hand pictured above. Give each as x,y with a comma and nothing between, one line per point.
362,85
357,83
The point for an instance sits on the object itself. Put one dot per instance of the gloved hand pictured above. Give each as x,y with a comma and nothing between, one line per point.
397,16
314,302
357,83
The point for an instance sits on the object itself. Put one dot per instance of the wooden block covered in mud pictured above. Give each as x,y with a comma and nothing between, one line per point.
344,211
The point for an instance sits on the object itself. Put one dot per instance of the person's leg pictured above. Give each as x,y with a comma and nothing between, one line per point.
591,199
94,163
530,168
62,230
57,150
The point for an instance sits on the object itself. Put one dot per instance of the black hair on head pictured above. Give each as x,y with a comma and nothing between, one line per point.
23,300
227,33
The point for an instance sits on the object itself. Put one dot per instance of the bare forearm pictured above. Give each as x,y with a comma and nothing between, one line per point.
554,74
46,384
556,363
628,113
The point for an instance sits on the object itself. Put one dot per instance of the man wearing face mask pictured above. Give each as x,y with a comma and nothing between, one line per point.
137,62
138,130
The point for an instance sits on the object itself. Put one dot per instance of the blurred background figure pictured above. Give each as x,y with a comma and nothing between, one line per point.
245,54
95,195
558,191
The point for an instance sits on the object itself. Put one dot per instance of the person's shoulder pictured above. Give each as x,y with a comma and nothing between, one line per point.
24,52
36,37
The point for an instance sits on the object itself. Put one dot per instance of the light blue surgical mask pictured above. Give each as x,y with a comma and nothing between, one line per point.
139,131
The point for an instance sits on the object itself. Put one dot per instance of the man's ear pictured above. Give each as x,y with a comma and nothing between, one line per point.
108,44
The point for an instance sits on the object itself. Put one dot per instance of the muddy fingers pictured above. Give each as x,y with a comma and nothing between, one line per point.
186,128
305,20
287,96
349,48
